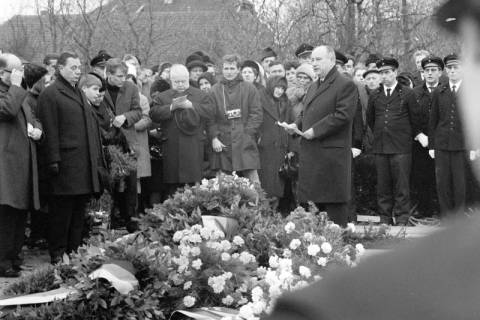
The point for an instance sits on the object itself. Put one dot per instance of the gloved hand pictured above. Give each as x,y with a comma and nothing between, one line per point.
431,153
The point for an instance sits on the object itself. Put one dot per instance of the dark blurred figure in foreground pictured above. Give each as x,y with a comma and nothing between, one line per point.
435,278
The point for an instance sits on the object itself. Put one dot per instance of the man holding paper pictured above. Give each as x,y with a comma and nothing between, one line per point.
182,112
326,130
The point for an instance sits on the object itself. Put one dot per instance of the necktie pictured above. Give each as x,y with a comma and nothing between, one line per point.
388,92
431,89
454,89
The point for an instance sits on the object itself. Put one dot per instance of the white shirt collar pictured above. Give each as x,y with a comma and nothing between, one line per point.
457,85
392,88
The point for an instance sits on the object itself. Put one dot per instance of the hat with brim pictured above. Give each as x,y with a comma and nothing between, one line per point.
197,64
100,60
303,50
387,63
453,11
366,73
451,59
267,53
340,58
432,61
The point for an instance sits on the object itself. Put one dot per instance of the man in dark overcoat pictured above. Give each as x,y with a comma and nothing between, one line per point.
447,144
18,164
325,149
392,115
71,152
423,166
182,124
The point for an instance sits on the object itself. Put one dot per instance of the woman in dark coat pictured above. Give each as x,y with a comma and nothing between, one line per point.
273,139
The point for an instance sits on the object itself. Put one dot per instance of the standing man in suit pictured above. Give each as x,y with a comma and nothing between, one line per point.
325,148
391,115
122,101
423,166
447,143
72,154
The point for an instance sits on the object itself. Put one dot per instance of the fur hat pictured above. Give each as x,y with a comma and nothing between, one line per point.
208,76
250,64
306,69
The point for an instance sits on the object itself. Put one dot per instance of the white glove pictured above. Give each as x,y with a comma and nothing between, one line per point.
423,139
431,153
473,155
356,152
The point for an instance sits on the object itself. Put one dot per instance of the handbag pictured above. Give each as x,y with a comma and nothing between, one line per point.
289,168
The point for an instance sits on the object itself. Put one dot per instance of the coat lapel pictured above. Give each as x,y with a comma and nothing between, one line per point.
68,91
317,89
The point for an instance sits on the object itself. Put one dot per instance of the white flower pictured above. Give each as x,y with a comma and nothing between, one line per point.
246,257
195,238
289,227
294,244
217,283
217,234
326,247
187,285
257,294
184,250
334,226
246,311
205,233
259,306
313,249
195,251
304,272
322,261
261,271
273,261
204,182
225,256
308,236
238,241
177,236
360,249
197,264
235,255
300,285
226,245
189,301
227,275
242,301
228,300
287,253
351,227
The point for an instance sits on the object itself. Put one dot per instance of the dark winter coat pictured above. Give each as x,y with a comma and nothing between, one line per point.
72,139
424,100
18,162
445,126
393,120
325,161
273,139
128,104
183,149
239,135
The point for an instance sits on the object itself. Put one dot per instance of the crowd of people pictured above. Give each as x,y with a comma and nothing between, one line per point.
294,127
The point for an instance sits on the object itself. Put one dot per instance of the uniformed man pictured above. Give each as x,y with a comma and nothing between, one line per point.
391,115
447,143
423,166
304,53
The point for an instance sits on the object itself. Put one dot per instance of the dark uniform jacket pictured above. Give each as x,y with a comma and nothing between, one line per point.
183,128
424,100
393,120
325,160
72,139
